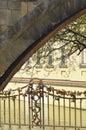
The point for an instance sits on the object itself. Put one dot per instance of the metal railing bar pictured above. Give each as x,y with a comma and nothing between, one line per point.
59,111
24,111
43,117
16,89
53,111
32,111
14,111
29,112
80,112
69,112
4,112
64,111
9,108
61,96
19,110
40,111
75,112
48,108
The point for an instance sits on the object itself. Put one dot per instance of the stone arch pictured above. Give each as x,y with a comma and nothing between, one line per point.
32,31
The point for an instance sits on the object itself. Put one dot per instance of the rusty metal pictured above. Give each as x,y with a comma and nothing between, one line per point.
43,107
35,91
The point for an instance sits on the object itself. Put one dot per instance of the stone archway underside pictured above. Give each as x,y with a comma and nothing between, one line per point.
32,30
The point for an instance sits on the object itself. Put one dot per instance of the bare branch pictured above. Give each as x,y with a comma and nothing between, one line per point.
76,33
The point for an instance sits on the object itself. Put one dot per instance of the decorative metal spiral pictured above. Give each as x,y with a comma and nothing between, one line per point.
36,88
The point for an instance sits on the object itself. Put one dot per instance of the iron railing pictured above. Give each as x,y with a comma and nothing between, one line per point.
41,107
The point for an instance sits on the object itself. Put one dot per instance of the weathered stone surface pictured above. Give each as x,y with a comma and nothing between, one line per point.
10,4
18,43
12,10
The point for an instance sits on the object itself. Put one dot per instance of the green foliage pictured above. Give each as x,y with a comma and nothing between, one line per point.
72,38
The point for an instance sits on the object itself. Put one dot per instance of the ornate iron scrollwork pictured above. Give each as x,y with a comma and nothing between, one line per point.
36,92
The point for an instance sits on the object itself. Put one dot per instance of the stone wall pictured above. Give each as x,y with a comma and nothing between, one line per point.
9,13
12,10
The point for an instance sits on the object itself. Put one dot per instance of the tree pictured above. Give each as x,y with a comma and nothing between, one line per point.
72,38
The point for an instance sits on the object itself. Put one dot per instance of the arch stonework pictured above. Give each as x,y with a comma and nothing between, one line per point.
32,31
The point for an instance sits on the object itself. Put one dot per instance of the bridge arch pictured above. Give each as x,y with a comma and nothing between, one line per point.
32,31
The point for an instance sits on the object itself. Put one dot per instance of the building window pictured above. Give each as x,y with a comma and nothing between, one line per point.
50,61
38,62
27,64
63,59
83,58
50,58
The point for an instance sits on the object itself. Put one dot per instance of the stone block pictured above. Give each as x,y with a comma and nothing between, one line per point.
10,4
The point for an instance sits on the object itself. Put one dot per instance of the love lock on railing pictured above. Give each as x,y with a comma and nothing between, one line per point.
36,91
